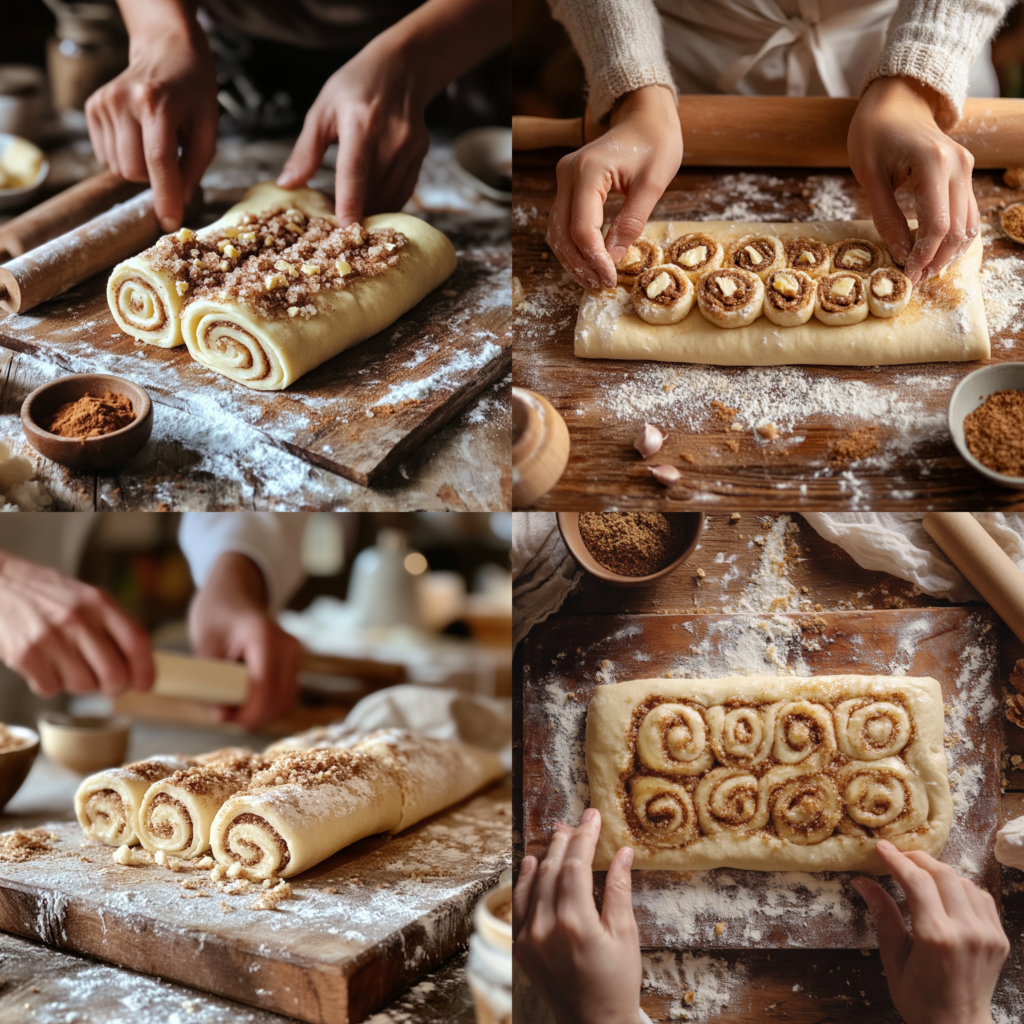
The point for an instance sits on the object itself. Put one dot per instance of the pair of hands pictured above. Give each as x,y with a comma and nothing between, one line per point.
63,635
893,139
588,965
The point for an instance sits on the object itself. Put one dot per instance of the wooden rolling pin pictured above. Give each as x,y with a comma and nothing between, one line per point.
983,562
786,131
64,211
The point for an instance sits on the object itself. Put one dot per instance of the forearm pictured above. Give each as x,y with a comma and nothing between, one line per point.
163,20
236,580
443,39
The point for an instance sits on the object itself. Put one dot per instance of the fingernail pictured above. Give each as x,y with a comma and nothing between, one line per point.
617,252
627,857
899,254
884,846
588,816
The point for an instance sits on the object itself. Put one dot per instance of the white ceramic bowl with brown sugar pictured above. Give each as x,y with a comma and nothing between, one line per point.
569,527
18,748
971,393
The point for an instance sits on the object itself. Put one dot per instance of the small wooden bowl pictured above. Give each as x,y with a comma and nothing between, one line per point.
1002,223
15,764
540,446
88,454
85,745
569,527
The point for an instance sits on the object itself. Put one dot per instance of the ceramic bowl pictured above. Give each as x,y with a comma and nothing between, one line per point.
90,454
23,104
569,527
968,395
85,745
14,198
482,158
15,764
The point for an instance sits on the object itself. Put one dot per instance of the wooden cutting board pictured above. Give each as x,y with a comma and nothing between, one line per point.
566,658
358,414
364,925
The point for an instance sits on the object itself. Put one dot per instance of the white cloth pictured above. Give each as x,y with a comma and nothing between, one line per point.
543,572
273,540
896,542
1010,844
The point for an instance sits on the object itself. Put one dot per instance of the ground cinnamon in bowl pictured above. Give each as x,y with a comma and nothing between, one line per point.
90,416
994,432
634,543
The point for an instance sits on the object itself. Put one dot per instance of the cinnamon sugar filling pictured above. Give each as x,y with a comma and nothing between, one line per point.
798,246
248,818
131,309
712,294
224,345
833,303
742,259
165,830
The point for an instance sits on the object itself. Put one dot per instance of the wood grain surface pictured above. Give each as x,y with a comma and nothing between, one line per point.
358,414
903,408
364,925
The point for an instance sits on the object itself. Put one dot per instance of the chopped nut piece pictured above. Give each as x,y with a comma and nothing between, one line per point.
223,265
231,252
719,928
206,862
701,574
736,426
688,997
293,310
248,236
343,267
286,267
309,268
181,287
184,235
197,263
230,232
293,228
768,431
272,281
267,242
735,517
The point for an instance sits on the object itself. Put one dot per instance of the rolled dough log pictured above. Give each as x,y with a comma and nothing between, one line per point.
944,320
107,803
768,773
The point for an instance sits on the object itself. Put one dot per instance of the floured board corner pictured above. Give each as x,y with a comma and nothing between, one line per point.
565,658
364,925
943,322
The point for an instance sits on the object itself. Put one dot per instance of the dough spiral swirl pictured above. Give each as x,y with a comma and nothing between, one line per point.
231,349
731,799
664,809
871,729
804,735
640,256
881,798
741,737
144,304
805,808
673,739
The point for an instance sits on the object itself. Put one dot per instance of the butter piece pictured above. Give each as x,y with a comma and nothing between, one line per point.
755,256
309,268
293,310
272,281
843,286
268,242
786,285
231,252
807,257
181,287
698,254
286,267
726,285
658,285
389,246
231,232
293,228
856,258
184,235
223,266
248,236
197,263
882,287
633,255
344,267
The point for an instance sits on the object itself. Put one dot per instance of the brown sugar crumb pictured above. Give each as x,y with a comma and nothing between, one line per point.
633,543
1017,676
1015,709
994,432
767,431
723,412
1012,219
733,446
23,844
860,444
90,416
8,741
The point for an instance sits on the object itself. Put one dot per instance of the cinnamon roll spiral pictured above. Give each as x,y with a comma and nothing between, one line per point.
731,800
640,256
695,253
888,292
730,297
760,254
789,297
741,737
869,729
664,810
841,299
810,255
663,295
804,735
856,254
805,808
881,798
673,739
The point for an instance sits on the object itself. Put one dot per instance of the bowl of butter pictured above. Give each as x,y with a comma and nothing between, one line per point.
23,169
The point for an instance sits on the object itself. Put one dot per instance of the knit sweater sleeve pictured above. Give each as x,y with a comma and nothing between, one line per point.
936,42
620,44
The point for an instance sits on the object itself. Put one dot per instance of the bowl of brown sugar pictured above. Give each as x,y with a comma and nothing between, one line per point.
89,422
630,549
986,422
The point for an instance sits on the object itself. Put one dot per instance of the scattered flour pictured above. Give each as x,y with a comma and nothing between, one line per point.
701,986
19,491
1002,289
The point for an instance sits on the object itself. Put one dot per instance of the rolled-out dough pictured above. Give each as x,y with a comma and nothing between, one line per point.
790,743
944,320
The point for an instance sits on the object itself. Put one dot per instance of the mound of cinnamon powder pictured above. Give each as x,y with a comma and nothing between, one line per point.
994,432
90,416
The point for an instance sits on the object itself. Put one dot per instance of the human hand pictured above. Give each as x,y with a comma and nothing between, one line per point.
229,619
166,97
945,970
587,966
638,156
893,139
61,634
373,106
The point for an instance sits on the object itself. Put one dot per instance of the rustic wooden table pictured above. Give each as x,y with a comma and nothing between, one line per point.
605,401
801,986
190,464
43,985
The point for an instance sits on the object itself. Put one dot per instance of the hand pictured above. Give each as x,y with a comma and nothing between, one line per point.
894,138
373,106
229,619
945,970
64,635
587,966
638,156
166,97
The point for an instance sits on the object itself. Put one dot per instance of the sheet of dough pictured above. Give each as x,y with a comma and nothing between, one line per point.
610,755
608,328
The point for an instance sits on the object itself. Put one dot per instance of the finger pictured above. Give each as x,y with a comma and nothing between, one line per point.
160,142
630,221
931,190
576,879
350,174
102,656
95,125
890,221
272,658
106,134
398,184
586,218
923,899
893,937
308,151
199,147
40,673
542,907
74,673
134,644
521,894
947,881
617,912
961,201
558,237
982,903
131,160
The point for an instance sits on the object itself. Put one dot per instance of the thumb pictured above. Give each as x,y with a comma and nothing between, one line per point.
893,937
630,221
890,222
307,153
617,913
